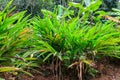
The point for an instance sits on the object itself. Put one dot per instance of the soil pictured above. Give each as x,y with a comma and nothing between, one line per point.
108,70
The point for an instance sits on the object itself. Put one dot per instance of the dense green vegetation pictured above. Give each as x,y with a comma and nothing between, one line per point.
64,37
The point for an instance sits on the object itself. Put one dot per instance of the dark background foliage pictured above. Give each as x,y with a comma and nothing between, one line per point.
34,6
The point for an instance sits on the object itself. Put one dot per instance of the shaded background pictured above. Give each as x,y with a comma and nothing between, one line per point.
34,6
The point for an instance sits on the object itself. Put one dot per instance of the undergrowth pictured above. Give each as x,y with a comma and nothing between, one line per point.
60,38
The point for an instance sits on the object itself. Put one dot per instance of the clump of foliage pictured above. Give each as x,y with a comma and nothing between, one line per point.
15,32
67,40
61,38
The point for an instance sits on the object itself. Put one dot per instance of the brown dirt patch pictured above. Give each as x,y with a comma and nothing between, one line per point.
108,70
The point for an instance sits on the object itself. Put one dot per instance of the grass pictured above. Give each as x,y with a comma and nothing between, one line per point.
59,38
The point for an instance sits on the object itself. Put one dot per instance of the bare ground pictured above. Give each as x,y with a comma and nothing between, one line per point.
108,70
